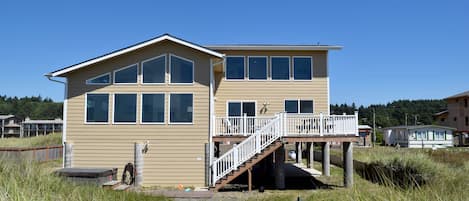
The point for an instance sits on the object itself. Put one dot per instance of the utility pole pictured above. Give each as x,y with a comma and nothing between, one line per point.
405,119
415,118
374,128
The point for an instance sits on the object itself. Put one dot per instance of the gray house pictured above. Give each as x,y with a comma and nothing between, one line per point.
10,126
421,136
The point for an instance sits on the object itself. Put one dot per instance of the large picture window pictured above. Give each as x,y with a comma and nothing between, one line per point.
180,108
280,68
302,68
97,108
181,70
127,75
154,70
125,108
257,68
299,106
152,108
235,68
99,80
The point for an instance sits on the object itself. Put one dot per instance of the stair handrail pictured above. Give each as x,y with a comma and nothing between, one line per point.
248,148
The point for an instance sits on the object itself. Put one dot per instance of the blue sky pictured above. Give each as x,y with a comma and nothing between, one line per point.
392,49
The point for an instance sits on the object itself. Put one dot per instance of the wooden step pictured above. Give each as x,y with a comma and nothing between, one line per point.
122,187
111,184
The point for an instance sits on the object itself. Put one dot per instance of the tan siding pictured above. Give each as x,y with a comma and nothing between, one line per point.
275,92
176,154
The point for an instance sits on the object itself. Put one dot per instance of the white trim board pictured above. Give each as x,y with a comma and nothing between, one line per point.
135,47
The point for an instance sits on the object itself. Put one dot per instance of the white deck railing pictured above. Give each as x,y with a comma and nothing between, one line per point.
243,125
295,125
249,147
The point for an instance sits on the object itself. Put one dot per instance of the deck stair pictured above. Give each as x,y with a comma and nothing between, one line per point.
247,153
246,165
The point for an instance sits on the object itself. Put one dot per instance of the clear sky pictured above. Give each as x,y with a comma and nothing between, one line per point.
392,49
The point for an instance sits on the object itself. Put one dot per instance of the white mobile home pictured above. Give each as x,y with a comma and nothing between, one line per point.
421,136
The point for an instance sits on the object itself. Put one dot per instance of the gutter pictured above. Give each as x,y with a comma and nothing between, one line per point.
64,114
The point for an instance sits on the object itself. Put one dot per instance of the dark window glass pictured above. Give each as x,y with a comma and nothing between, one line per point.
465,102
306,106
291,106
126,75
182,71
280,68
125,108
154,70
102,79
235,68
97,107
249,108
467,121
153,108
234,109
181,108
302,68
257,68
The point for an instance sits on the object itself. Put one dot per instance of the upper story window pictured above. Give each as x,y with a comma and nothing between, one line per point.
181,70
299,106
126,75
302,68
180,108
154,70
153,108
97,108
100,79
257,68
235,68
125,108
280,68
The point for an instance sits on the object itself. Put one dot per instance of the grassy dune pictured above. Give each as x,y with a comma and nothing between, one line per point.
41,140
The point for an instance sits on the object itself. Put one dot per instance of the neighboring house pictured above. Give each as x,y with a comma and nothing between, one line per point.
421,136
41,127
364,131
185,100
457,116
10,126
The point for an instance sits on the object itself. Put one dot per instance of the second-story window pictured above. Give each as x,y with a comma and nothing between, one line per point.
154,70
257,68
302,68
235,68
126,75
181,70
280,68
99,80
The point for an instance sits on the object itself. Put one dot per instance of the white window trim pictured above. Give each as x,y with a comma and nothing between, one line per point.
165,70
266,68
240,101
123,68
289,69
114,104
293,67
298,100
169,109
87,82
226,67
86,110
169,72
141,109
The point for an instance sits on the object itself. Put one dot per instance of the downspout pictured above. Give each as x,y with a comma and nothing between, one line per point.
64,114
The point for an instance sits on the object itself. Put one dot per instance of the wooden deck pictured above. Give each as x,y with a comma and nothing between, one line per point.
291,139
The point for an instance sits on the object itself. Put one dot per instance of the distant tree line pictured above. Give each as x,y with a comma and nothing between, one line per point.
394,113
35,107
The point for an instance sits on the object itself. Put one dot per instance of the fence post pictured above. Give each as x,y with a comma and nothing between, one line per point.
235,156
245,124
356,123
214,174
138,151
321,124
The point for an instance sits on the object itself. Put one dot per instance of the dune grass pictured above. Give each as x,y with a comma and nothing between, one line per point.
29,181
38,141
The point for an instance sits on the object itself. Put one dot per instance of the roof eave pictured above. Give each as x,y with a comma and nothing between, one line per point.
275,47
61,72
